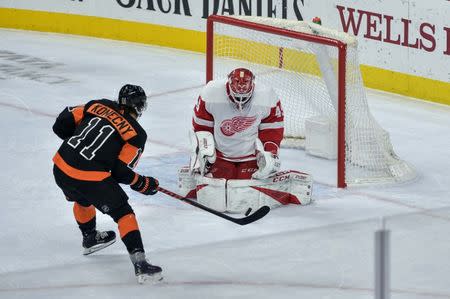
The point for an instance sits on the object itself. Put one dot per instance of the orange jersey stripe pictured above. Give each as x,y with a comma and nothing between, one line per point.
127,224
119,122
83,214
82,175
128,153
78,114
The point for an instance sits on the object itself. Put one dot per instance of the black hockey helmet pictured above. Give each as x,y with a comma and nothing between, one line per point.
133,98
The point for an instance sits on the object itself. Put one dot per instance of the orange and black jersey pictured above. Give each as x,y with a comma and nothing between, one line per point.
100,140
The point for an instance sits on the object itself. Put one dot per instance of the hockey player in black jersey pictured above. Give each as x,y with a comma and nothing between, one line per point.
102,145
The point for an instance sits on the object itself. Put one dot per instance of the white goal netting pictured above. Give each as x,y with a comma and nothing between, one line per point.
305,76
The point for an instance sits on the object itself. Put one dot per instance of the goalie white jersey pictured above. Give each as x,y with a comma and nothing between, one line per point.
235,131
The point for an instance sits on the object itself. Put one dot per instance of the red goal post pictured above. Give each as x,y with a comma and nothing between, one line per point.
235,39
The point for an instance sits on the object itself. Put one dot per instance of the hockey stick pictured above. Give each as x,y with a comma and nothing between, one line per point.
260,213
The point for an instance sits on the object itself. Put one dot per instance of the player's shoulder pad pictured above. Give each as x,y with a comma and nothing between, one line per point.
264,95
105,102
140,139
214,91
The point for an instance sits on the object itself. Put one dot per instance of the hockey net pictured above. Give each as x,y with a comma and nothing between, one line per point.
315,72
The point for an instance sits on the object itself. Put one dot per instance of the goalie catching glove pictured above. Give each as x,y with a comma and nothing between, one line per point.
203,153
268,162
145,185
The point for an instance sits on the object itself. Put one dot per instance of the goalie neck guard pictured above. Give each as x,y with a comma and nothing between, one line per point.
240,86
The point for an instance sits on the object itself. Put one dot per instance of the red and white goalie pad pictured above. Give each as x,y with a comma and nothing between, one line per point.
287,187
187,182
211,192
237,196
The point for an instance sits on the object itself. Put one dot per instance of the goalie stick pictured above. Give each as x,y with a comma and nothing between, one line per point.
260,213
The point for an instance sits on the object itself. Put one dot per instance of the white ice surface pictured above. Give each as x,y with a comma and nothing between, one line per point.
324,250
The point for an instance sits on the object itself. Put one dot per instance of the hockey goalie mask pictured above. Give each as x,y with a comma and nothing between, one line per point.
133,97
240,86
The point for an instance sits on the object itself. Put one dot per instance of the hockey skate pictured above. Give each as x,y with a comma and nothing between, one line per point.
144,271
95,241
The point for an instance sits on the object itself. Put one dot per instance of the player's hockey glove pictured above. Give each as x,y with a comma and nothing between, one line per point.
145,185
203,152
268,165
268,162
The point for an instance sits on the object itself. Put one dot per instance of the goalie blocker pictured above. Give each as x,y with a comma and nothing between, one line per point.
237,196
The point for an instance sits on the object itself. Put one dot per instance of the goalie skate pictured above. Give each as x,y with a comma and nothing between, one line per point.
96,241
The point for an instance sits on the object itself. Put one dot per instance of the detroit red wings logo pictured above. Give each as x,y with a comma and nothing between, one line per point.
237,124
